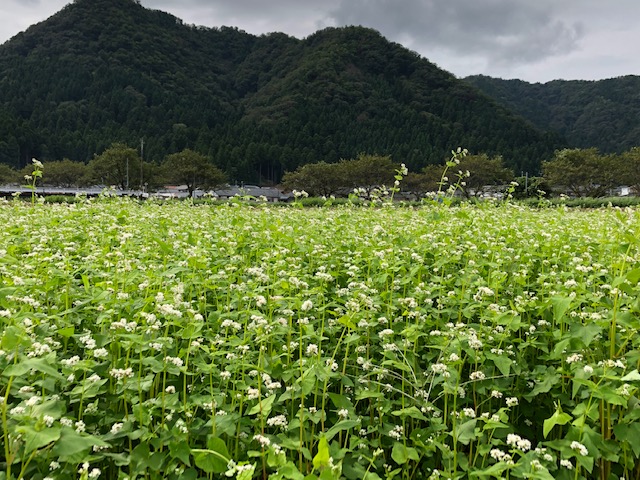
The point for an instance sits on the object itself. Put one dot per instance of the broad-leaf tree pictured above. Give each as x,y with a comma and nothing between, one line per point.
193,170
365,172
7,174
119,165
368,171
531,187
582,172
417,185
630,169
65,173
485,174
317,179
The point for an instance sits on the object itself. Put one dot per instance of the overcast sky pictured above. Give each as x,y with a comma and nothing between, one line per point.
533,40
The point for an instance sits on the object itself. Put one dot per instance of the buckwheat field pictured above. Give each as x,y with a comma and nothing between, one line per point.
171,340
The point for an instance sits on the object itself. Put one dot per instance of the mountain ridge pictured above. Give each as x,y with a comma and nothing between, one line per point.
101,71
588,113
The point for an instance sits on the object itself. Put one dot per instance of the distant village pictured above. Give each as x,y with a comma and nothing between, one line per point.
227,192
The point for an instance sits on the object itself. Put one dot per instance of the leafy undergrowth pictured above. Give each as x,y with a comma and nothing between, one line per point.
178,341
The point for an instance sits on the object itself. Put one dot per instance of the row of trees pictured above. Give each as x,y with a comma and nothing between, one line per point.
368,172
122,167
577,172
587,173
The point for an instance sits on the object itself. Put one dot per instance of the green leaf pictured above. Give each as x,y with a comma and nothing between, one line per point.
88,389
308,382
465,433
401,454
494,470
11,337
629,433
191,330
26,365
560,307
502,362
34,439
340,401
586,333
181,451
371,476
207,462
364,394
397,365
327,474
263,406
290,471
634,276
412,412
247,474
340,426
164,246
321,460
550,380
346,321
585,462
213,459
558,418
610,396
218,445
66,332
139,458
632,376
73,446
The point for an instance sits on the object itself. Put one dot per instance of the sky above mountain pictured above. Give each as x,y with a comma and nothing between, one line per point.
536,41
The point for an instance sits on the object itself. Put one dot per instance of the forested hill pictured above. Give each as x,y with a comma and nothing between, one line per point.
603,114
101,71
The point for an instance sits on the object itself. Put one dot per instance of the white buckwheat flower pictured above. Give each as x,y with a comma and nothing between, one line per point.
278,421
582,450
574,357
116,427
177,361
566,464
121,373
518,442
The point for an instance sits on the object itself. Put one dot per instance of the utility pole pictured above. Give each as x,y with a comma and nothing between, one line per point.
141,160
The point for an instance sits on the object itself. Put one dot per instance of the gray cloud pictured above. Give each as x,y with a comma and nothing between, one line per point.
294,17
536,40
504,32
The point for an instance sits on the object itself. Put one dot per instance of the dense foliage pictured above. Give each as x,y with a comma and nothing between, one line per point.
603,114
588,173
105,71
166,341
365,172
463,174
193,170
571,172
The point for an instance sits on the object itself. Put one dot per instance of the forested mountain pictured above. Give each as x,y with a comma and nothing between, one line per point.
603,114
104,71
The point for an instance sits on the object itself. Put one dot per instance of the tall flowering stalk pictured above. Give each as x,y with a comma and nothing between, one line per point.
454,161
32,179
400,174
